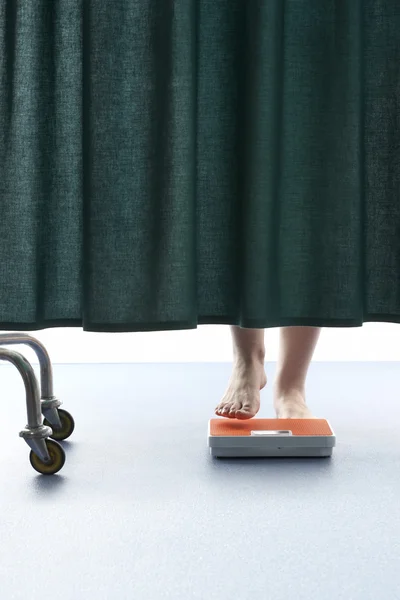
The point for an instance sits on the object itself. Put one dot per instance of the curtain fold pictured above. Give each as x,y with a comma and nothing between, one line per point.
169,163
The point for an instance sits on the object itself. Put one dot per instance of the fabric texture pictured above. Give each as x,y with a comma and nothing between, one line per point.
169,163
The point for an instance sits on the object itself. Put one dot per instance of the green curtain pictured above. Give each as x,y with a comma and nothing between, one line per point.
169,163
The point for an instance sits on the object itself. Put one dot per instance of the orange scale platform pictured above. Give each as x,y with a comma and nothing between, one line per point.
270,438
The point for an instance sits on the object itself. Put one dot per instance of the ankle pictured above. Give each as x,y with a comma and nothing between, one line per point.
255,358
286,388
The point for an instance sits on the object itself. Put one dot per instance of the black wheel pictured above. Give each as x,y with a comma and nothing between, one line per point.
67,426
57,456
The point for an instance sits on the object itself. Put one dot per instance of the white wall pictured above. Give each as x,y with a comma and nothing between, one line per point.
372,342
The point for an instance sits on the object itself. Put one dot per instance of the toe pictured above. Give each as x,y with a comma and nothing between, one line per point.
234,408
244,414
223,410
247,411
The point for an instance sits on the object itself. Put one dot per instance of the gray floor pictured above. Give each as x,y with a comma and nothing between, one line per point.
141,511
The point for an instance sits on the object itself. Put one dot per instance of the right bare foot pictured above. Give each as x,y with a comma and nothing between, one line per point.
242,398
291,404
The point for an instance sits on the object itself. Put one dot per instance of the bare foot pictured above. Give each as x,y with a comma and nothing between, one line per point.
291,405
242,398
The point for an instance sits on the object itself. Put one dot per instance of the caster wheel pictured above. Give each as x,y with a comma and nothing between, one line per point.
57,456
67,426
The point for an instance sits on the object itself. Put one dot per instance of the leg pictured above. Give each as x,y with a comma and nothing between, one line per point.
242,398
296,351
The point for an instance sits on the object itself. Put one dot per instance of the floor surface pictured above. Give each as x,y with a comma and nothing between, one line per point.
141,511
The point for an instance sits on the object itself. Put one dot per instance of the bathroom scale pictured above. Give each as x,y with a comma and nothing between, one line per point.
270,437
